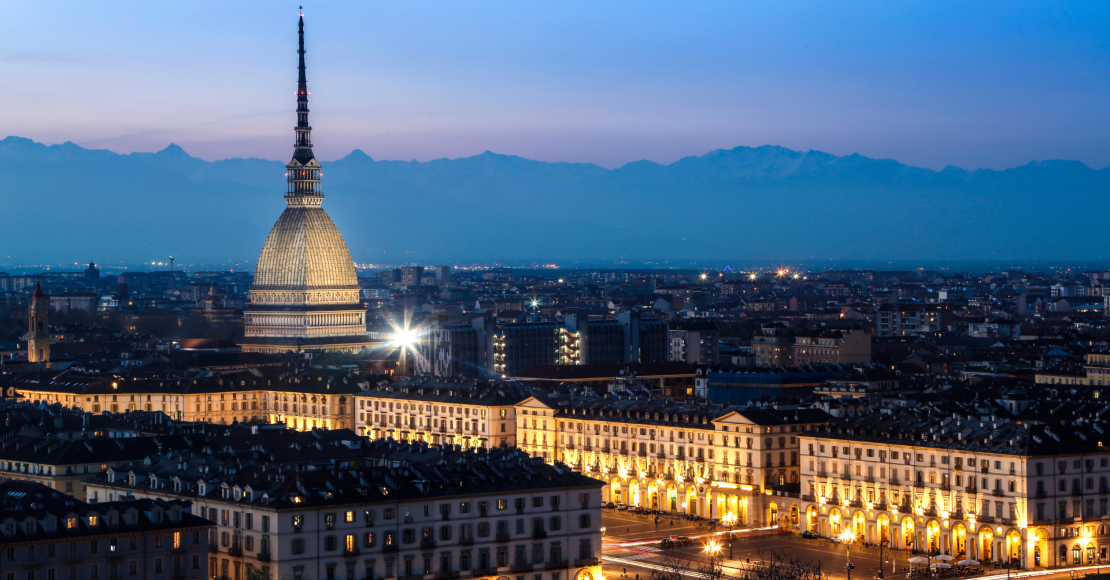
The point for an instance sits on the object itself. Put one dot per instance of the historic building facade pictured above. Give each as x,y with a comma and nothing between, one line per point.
731,463
993,491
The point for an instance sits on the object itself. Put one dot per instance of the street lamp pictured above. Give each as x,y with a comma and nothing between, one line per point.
730,521
712,549
846,537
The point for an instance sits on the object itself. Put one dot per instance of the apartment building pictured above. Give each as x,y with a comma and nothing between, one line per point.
470,413
63,465
832,347
299,396
681,458
396,511
50,535
1032,495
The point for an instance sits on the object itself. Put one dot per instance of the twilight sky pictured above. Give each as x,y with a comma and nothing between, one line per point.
931,83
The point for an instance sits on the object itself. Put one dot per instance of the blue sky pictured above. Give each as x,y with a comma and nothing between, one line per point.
980,84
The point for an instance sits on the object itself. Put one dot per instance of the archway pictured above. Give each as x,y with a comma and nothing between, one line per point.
653,495
615,494
811,519
884,529
858,526
834,523
691,503
634,493
959,540
908,534
1040,548
772,513
672,498
793,516
932,540
582,575
986,544
1013,548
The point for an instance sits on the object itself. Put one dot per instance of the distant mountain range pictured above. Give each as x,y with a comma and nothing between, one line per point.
64,202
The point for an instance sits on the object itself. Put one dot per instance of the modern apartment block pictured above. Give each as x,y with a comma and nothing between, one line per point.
50,535
384,510
485,347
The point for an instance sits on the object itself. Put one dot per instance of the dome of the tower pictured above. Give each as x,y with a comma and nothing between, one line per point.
304,251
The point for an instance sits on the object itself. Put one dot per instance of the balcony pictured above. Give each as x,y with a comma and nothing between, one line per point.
114,554
930,512
521,568
235,552
895,481
996,492
539,535
350,552
585,562
466,541
642,453
388,548
484,572
213,548
559,565
856,503
881,507
263,556
986,519
972,489
502,537
427,544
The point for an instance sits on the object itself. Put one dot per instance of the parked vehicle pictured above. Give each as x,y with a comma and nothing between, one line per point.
621,507
809,535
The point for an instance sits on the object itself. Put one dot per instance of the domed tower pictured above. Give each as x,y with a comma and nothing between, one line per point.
38,333
305,294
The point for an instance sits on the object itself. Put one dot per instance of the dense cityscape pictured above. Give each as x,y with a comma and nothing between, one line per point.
313,418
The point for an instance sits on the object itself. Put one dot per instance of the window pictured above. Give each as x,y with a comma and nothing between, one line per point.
555,523
298,523
584,521
502,504
349,517
330,543
298,545
371,539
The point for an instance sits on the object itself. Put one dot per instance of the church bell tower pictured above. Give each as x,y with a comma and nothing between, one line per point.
38,334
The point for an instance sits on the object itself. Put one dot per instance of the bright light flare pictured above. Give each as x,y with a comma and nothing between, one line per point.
404,338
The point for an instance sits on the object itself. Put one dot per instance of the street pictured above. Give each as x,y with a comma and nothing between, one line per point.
632,547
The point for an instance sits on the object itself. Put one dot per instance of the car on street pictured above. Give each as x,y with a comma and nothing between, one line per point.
809,535
667,543
610,505
621,507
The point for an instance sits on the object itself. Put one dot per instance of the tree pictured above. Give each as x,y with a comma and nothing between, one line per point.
777,565
671,568
258,574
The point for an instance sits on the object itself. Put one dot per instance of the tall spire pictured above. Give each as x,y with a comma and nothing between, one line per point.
303,170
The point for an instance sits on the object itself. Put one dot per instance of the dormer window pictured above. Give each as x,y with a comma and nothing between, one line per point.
92,521
9,528
71,523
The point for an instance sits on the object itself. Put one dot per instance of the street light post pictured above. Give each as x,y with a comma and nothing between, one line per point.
730,521
847,537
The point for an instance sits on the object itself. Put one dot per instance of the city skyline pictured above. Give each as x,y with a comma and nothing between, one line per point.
928,85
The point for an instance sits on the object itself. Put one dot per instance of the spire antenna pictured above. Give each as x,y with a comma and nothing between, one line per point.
303,170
